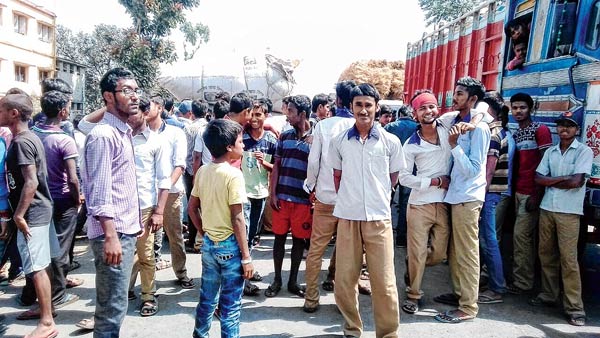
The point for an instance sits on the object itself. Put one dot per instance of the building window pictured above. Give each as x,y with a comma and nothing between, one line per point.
72,69
44,74
20,23
65,66
20,73
44,32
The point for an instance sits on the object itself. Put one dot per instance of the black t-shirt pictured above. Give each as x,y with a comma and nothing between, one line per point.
26,149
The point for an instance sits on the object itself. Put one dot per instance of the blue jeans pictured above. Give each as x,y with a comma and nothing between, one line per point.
112,283
489,243
222,283
253,211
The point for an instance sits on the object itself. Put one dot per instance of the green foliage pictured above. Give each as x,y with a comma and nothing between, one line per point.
437,11
141,48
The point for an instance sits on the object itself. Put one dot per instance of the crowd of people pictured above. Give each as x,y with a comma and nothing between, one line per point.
135,170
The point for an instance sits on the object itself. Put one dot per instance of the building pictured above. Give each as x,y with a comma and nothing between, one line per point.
27,45
74,74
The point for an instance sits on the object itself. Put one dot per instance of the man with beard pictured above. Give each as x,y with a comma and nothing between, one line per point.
427,215
111,193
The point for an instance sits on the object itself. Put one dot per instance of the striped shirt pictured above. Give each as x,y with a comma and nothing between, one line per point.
293,153
109,177
499,149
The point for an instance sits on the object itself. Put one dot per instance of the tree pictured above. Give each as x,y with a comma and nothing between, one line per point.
437,11
140,48
386,76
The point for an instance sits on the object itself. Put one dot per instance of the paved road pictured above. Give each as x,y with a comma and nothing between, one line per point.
283,317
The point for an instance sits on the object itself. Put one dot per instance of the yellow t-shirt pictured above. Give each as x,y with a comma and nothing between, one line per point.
218,185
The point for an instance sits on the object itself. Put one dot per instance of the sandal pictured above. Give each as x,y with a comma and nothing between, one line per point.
364,289
68,299
32,314
296,289
453,317
515,290
149,308
163,264
250,289
273,290
86,324
364,274
537,301
328,285
576,320
447,298
256,277
489,297
410,306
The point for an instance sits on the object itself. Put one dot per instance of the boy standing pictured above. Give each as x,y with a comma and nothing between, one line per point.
31,203
219,190
290,203
563,171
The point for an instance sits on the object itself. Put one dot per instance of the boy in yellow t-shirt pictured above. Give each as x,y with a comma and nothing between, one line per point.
219,189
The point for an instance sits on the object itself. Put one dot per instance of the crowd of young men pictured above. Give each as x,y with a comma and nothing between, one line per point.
322,177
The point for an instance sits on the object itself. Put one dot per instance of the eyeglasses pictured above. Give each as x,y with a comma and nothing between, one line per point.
129,92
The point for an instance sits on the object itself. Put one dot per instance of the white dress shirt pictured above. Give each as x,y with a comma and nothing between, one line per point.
176,151
319,175
152,167
199,147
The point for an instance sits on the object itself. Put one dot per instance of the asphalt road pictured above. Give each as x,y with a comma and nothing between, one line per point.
282,316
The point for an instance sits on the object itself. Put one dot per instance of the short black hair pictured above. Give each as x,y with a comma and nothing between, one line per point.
109,81
158,100
319,99
496,102
262,105
343,89
223,95
302,103
404,111
169,102
56,84
21,102
199,108
267,101
53,102
144,103
16,90
522,97
364,89
239,102
474,87
514,23
219,134
220,109
385,109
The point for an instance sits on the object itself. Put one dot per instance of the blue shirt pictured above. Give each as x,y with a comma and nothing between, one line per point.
403,128
343,112
467,178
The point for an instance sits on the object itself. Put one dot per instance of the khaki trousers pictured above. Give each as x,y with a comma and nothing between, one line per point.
464,255
524,244
378,240
143,261
558,255
174,230
424,222
324,226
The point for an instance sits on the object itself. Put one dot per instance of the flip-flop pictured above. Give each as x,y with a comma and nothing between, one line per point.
52,334
86,324
447,298
451,317
273,290
489,297
73,282
576,320
32,314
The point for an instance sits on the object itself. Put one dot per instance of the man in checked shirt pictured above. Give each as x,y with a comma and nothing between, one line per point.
112,197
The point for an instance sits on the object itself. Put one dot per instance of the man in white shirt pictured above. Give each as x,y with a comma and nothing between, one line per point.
319,180
176,151
427,214
153,181
371,160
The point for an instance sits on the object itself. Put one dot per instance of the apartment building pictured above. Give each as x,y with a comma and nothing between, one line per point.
74,74
27,45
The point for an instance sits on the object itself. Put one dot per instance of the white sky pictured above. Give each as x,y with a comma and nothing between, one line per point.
326,35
